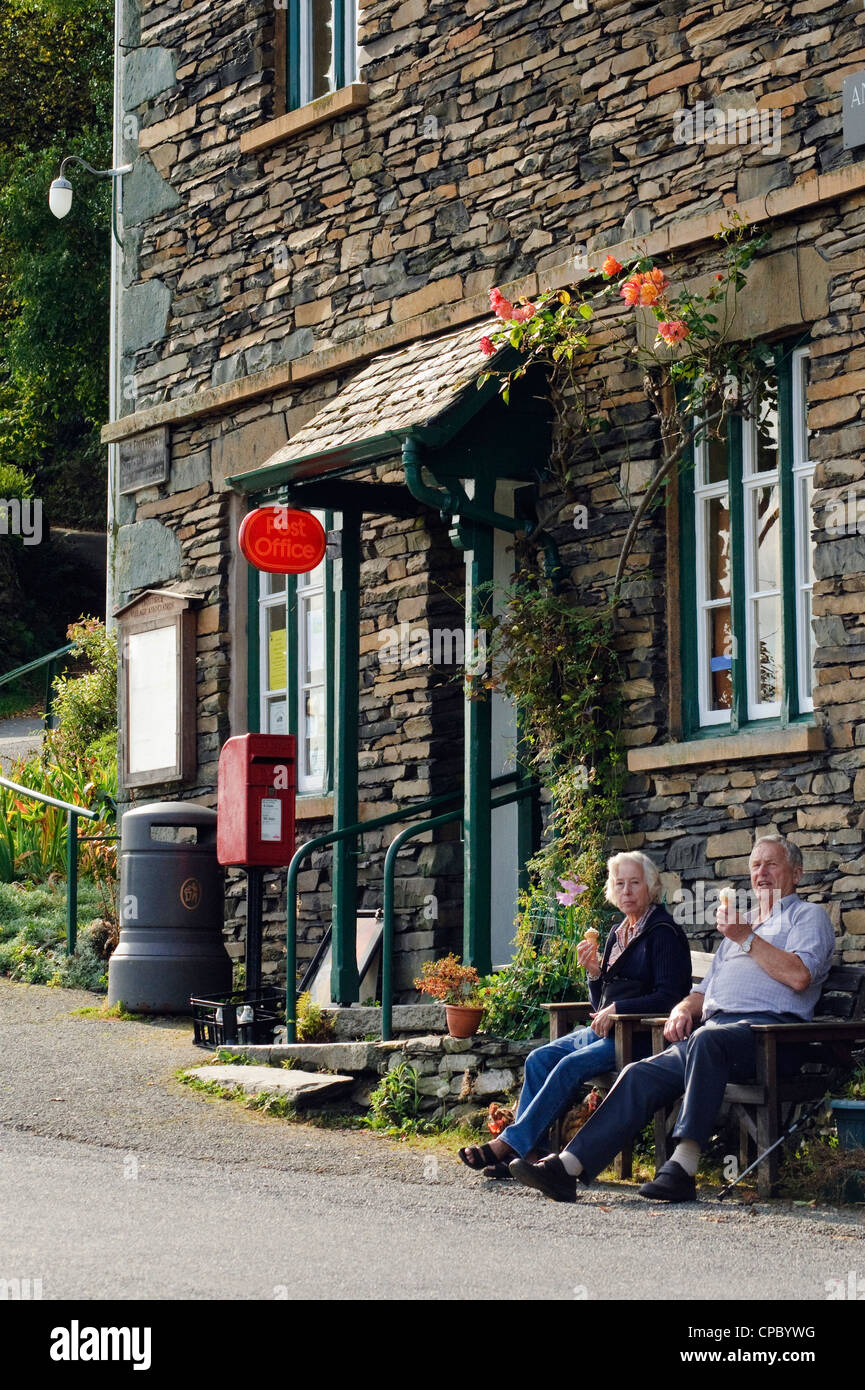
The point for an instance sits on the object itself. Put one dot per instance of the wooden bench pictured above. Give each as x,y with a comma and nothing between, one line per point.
763,1110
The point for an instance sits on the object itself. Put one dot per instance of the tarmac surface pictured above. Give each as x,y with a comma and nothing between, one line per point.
118,1181
18,739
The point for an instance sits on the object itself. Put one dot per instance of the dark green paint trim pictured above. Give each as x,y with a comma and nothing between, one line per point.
345,984
688,595
292,55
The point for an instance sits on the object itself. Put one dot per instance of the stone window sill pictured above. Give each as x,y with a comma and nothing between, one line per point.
767,743
326,108
313,807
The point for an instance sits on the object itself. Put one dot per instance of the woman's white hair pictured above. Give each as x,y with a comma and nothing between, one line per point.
650,875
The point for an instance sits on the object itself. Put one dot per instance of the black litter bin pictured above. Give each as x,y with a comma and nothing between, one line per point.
171,910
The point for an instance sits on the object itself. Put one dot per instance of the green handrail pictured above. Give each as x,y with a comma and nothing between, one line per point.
72,815
50,660
330,837
390,859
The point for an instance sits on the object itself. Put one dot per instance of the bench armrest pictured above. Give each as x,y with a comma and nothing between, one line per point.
818,1031
563,1017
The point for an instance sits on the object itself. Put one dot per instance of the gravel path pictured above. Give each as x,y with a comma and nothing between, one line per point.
117,1180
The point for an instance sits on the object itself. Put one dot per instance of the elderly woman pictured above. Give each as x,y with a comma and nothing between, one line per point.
646,969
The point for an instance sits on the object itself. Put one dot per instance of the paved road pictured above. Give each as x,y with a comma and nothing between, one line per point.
117,1181
18,739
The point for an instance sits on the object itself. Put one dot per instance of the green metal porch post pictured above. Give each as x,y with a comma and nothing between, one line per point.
345,985
477,823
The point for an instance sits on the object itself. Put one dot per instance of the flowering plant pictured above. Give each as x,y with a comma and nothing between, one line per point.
694,374
450,982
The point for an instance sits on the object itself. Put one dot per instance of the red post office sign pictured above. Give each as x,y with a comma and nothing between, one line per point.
282,540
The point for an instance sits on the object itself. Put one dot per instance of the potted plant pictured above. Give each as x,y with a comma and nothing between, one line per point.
457,986
849,1112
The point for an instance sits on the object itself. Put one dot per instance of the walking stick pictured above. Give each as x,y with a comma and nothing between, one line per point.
807,1114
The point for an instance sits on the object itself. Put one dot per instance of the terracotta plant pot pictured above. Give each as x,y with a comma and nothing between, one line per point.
463,1020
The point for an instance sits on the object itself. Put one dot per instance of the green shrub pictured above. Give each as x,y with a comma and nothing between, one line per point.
14,482
395,1102
313,1025
86,705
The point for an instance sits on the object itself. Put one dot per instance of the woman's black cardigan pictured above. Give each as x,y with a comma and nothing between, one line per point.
651,975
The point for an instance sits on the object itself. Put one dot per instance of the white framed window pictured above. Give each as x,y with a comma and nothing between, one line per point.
293,665
322,48
273,654
803,492
747,570
713,550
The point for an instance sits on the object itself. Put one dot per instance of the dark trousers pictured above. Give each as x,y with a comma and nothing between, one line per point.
699,1067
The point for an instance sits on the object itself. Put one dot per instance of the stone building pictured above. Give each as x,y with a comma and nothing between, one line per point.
323,193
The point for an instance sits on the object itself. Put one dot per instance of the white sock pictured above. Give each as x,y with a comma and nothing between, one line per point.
687,1155
571,1163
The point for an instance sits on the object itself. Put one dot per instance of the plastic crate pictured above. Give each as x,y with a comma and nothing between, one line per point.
223,1020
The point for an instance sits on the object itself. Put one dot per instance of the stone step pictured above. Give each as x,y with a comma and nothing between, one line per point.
358,1022
303,1087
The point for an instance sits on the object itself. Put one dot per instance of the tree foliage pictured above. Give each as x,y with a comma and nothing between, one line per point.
56,75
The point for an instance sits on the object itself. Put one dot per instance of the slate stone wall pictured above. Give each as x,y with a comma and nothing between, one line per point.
499,140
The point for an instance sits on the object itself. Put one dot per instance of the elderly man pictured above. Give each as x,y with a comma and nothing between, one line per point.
768,969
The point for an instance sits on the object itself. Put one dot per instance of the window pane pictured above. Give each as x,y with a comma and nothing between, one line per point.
313,732
714,451
313,672
800,410
720,658
767,682
767,529
766,460
274,583
277,717
276,648
321,49
806,486
717,518
810,642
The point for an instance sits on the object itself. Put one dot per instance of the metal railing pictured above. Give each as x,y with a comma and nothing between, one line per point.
389,886
50,660
73,814
353,832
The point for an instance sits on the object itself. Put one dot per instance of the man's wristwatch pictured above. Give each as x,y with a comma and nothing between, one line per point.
747,943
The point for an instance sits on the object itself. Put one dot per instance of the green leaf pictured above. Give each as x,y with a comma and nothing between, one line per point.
585,311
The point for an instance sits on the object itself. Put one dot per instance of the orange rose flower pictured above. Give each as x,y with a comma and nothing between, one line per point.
658,278
610,268
649,292
672,331
630,291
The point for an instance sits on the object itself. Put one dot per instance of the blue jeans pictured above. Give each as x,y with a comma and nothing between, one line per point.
554,1075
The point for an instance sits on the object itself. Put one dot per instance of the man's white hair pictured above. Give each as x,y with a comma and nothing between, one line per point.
650,874
792,851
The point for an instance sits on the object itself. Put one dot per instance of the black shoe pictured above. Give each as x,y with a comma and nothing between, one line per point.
671,1184
549,1176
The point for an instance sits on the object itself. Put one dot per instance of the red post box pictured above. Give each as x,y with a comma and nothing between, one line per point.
255,801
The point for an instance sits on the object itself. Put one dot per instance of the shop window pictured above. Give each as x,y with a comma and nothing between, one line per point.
747,565
293,662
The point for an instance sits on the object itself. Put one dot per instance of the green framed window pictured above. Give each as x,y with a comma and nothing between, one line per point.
291,664
747,565
321,48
